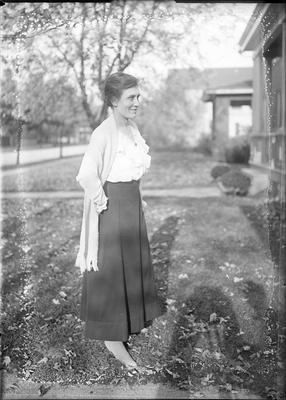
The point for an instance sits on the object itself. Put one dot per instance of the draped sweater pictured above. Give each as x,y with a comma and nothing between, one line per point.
93,173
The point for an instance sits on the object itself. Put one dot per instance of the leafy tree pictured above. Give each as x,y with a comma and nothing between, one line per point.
50,103
108,38
11,117
174,115
93,40
50,106
87,42
21,21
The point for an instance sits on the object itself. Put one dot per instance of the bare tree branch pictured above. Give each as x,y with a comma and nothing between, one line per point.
127,60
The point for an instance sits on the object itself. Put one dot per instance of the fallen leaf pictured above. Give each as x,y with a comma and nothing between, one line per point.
198,349
44,389
174,375
27,374
28,363
26,248
43,360
217,355
56,366
213,317
6,360
170,301
228,387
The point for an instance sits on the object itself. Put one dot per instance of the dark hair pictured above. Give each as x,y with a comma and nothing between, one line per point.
115,84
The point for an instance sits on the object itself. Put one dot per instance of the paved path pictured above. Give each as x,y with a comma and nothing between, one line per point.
259,183
30,390
195,192
32,156
259,180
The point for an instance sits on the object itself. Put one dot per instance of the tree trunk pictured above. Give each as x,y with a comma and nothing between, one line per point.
88,113
19,141
61,143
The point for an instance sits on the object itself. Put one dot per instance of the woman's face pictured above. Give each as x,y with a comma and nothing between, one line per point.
128,103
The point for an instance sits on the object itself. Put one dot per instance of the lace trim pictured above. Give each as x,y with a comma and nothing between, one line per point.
135,149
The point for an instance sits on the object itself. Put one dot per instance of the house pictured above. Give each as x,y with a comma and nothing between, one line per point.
227,94
265,36
230,92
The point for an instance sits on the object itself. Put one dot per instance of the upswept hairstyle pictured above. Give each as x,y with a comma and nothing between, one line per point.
115,84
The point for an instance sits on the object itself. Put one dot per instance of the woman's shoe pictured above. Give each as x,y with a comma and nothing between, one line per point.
132,368
120,352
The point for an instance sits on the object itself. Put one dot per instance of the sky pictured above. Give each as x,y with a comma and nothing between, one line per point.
218,39
225,51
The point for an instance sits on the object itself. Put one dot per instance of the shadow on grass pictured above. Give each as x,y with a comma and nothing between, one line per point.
269,222
161,245
208,346
13,278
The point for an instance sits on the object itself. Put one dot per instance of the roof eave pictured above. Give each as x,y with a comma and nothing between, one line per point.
246,41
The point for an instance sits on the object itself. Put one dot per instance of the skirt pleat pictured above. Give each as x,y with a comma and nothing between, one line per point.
120,299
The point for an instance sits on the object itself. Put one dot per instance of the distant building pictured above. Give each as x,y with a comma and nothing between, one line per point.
227,93
230,92
265,36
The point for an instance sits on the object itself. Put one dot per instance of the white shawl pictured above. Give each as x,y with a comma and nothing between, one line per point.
93,172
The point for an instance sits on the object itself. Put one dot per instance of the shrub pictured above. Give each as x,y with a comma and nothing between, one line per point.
204,145
219,170
236,180
237,150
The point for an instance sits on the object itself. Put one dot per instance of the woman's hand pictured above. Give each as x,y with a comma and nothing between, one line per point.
101,207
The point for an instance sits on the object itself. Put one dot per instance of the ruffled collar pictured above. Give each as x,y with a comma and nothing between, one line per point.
134,147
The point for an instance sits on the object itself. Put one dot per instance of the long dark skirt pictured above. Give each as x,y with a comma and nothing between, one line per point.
120,299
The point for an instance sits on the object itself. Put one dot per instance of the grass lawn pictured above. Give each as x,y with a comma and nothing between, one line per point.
168,169
214,275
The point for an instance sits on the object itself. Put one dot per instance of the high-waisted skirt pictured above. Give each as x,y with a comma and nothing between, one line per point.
120,298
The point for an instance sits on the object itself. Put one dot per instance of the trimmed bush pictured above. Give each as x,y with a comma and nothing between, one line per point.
237,150
236,180
219,170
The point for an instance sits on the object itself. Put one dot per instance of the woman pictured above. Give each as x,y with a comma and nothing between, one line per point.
118,293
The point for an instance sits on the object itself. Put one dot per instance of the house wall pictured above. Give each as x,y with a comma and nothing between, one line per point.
221,119
259,138
268,136
220,125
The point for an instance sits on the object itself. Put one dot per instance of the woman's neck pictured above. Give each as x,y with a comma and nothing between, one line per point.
121,121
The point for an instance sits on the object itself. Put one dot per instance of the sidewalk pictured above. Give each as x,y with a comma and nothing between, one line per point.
259,179
30,390
195,192
259,184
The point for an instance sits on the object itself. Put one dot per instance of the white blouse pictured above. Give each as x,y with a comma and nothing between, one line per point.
132,159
